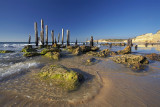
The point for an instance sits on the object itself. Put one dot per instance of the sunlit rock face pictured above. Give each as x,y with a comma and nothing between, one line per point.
148,37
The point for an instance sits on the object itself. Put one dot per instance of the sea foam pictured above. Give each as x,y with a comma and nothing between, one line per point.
17,68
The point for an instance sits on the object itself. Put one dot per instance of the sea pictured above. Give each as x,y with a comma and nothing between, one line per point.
20,87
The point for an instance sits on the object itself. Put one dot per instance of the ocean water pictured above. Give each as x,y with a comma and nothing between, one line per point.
19,85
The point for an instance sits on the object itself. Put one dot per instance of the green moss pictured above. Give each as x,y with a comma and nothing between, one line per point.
6,51
53,55
60,75
30,54
28,48
44,51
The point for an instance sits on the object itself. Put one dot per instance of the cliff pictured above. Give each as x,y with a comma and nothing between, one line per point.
148,37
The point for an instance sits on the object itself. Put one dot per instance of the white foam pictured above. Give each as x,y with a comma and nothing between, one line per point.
16,68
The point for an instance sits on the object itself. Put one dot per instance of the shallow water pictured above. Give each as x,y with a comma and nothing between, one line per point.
107,83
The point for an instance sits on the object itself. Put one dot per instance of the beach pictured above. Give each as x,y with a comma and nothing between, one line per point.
106,82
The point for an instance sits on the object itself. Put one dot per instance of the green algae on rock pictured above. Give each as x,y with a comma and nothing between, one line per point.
6,51
103,53
31,54
153,56
28,48
44,51
53,55
134,61
61,76
126,50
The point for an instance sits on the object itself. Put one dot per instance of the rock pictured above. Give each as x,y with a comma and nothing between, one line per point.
6,51
136,61
62,76
53,55
85,48
44,51
113,53
71,48
28,48
94,48
126,50
153,56
31,54
77,51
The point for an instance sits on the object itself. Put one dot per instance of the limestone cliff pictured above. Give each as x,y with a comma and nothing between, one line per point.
148,37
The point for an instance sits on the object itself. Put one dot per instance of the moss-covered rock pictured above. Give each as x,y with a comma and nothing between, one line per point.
103,53
153,56
44,51
28,48
77,51
31,54
53,55
94,48
6,51
61,76
126,50
85,48
135,61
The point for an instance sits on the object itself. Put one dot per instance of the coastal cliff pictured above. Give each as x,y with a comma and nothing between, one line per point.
148,38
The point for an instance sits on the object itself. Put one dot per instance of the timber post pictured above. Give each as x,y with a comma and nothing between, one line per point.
76,42
29,40
91,41
68,34
62,35
36,33
46,35
58,37
52,35
42,32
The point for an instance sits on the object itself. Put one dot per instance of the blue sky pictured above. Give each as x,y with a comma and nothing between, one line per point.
99,18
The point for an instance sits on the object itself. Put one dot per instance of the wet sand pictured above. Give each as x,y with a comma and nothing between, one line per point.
108,85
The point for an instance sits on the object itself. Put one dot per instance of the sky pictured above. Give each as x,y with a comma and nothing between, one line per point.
102,19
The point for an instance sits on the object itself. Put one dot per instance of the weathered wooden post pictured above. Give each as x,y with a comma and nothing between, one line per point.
76,42
129,42
68,34
46,35
62,35
55,41
58,37
52,35
91,41
136,47
42,32
29,40
87,41
36,33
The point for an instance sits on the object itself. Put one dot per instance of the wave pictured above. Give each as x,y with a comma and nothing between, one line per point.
17,68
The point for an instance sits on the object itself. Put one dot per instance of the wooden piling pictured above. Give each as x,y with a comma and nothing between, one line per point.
58,37
36,33
46,35
62,35
55,41
42,32
52,35
76,42
91,41
29,40
68,34
129,42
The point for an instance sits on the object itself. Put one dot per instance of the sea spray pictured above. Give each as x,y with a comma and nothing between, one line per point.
17,68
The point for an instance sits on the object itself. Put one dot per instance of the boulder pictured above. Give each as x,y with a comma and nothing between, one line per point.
28,48
126,50
135,61
62,76
53,55
6,51
153,56
31,54
94,48
85,48
77,51
44,51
